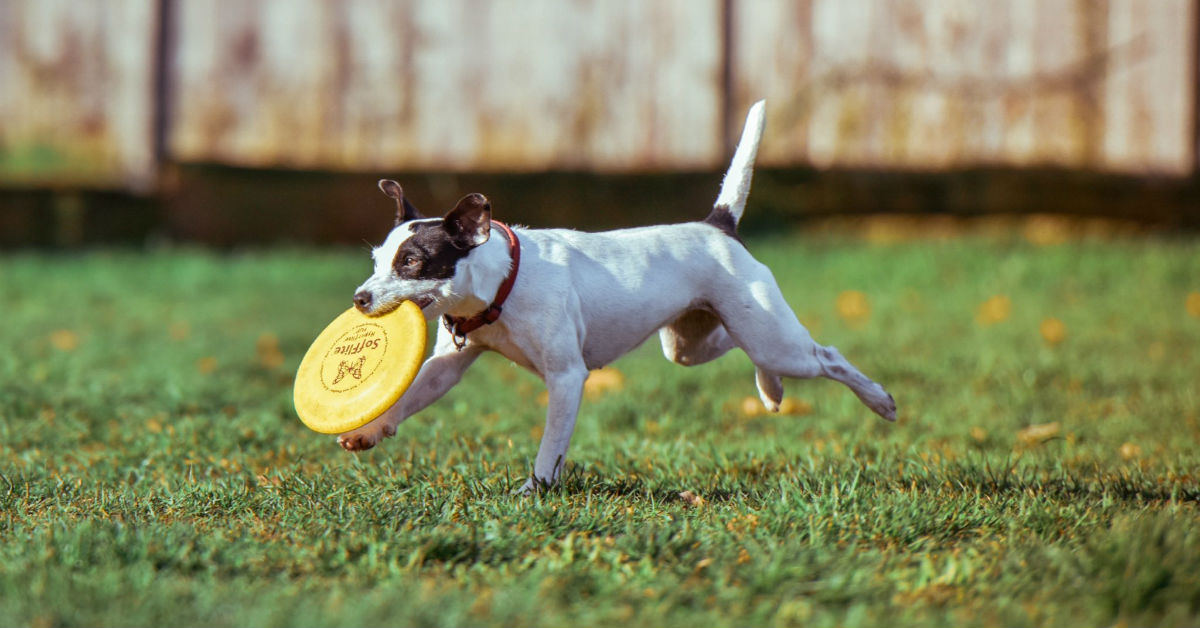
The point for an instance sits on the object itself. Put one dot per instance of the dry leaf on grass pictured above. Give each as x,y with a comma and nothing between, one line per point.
995,310
64,340
601,381
751,407
1053,331
267,348
1193,304
795,407
179,330
691,499
1038,433
853,306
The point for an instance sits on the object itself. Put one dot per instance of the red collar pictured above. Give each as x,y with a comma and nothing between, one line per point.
459,326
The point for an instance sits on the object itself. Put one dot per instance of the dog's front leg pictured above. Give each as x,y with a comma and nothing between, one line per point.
437,375
566,389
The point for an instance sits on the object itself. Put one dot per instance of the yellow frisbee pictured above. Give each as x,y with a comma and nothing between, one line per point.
358,367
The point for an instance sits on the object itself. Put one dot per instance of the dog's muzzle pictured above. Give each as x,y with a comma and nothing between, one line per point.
364,300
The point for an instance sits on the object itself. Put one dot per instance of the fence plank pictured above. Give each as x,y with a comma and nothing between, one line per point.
76,93
936,84
1149,95
514,85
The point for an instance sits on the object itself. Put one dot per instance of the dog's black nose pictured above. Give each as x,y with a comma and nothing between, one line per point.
362,301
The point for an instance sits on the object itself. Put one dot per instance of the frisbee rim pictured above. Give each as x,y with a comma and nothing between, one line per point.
319,407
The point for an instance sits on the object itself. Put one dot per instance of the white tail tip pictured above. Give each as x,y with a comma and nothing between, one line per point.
736,186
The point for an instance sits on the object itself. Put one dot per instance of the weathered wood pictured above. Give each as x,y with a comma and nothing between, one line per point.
514,85
581,85
1149,96
935,84
76,93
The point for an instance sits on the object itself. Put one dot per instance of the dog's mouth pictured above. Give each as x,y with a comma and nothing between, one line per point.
384,309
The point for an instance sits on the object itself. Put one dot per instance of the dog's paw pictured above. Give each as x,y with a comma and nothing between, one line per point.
533,486
365,438
356,442
885,408
770,389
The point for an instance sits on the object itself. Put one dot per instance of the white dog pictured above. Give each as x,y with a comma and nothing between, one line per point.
581,300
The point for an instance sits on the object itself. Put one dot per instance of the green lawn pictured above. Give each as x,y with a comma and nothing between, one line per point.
153,471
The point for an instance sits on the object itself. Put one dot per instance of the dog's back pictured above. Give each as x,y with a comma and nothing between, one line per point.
637,281
634,281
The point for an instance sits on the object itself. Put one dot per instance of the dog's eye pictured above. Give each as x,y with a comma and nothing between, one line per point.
411,261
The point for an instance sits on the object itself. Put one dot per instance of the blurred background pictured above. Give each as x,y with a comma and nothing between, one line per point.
227,122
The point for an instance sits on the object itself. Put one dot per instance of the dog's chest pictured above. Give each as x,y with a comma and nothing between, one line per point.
496,338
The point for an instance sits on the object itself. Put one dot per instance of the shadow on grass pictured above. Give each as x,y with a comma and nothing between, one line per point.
967,478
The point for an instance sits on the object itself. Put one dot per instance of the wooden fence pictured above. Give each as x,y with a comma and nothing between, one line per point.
102,93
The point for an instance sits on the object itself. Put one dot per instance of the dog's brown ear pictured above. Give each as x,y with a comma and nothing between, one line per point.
404,209
470,222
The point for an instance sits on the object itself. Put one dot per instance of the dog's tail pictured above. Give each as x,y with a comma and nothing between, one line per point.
736,186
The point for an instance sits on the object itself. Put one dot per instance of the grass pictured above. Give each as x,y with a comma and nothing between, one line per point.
152,471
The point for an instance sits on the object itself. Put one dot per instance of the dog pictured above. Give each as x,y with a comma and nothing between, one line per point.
561,303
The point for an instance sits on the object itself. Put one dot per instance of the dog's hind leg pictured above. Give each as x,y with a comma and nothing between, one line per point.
770,389
836,367
698,336
762,324
808,359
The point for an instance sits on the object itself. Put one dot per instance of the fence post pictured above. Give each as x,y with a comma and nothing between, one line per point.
727,87
164,48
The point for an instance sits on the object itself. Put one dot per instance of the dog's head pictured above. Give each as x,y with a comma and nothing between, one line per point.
421,258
